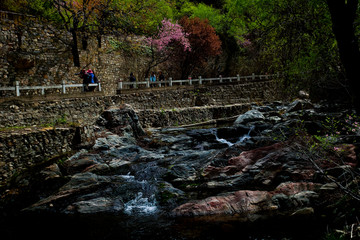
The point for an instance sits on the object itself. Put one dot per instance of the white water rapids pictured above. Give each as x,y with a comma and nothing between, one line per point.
140,204
241,139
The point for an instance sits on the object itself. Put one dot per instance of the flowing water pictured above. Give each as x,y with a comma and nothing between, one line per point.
230,144
141,205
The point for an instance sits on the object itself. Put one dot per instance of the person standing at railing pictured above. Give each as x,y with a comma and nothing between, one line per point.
83,76
161,77
91,79
132,79
152,79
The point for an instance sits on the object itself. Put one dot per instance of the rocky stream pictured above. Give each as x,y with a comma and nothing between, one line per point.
249,179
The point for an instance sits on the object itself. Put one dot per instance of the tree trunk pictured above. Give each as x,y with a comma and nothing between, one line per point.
99,40
74,49
84,42
343,13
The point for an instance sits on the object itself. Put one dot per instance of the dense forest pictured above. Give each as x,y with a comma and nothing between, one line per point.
314,44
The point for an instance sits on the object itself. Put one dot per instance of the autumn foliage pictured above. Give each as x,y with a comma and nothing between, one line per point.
202,37
205,44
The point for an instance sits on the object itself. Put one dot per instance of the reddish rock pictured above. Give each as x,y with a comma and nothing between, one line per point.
236,164
341,155
211,171
240,202
250,157
291,188
251,205
348,154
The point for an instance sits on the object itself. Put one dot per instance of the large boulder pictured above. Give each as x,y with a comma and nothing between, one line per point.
237,163
289,198
99,205
249,116
299,105
120,120
243,202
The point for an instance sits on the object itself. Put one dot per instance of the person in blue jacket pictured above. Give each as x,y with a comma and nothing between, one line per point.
152,79
91,78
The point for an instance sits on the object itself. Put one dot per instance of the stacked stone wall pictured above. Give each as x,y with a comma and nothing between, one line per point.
33,54
84,109
28,147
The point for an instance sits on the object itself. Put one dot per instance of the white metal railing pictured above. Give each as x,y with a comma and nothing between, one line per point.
190,81
17,88
147,84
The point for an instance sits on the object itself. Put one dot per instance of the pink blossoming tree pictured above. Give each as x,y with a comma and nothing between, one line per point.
167,43
168,34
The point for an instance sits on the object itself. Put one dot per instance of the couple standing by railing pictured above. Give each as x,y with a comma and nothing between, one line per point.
89,78
153,78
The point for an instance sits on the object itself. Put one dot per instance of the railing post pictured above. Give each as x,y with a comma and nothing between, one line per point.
147,82
170,82
120,84
253,76
221,80
238,77
17,88
99,84
42,91
200,80
63,87
190,80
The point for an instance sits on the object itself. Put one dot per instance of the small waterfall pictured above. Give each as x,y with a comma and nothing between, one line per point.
141,205
246,136
241,139
222,140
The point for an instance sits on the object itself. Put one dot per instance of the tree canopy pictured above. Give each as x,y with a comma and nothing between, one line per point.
305,40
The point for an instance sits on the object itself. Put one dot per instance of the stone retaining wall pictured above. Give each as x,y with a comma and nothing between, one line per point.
187,116
28,147
84,109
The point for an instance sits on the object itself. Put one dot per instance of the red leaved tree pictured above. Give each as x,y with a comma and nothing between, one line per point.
205,44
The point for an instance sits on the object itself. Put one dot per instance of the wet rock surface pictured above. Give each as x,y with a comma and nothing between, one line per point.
240,172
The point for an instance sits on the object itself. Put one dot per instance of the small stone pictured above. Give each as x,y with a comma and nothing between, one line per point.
303,212
14,107
329,187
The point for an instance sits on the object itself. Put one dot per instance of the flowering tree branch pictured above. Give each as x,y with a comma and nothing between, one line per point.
169,39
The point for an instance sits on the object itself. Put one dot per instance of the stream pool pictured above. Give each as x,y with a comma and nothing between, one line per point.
154,227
